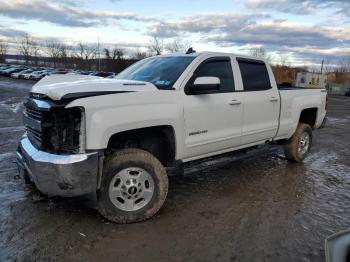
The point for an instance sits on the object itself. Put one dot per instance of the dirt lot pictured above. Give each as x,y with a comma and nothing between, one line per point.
248,207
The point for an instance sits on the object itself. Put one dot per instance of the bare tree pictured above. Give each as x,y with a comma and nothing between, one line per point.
344,64
178,45
63,55
53,50
260,53
156,46
114,59
115,53
28,48
85,52
283,60
139,55
342,71
3,50
328,67
110,54
83,55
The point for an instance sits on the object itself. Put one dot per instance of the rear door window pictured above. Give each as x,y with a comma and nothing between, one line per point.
255,76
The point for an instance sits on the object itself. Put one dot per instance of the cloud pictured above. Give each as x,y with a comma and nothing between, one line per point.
11,33
63,14
283,34
203,23
256,24
328,53
273,34
252,29
300,6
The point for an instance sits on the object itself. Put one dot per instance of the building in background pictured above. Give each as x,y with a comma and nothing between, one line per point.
337,89
311,80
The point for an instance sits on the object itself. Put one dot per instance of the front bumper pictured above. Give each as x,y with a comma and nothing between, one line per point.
58,175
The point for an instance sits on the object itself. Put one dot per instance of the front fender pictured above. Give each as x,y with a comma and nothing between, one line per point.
111,114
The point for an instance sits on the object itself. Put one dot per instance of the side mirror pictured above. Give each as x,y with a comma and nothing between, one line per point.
205,85
337,247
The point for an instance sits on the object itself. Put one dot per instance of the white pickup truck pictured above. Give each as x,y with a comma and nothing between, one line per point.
116,137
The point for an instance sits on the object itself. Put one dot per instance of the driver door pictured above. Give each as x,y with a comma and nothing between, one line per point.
213,122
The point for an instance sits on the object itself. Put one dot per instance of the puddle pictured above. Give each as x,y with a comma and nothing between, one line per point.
11,129
337,121
10,106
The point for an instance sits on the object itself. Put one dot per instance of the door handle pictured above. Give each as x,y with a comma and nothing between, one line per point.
273,99
235,102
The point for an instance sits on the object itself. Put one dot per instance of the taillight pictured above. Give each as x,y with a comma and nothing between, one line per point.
326,104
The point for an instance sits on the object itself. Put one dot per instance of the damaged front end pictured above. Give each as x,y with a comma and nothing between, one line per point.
52,153
54,128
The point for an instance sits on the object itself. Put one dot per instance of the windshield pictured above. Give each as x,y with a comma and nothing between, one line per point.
160,71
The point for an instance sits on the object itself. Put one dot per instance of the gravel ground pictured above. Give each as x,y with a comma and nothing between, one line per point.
252,206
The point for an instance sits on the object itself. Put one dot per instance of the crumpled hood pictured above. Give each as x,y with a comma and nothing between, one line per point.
57,87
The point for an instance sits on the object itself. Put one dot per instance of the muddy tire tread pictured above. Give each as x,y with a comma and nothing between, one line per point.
291,146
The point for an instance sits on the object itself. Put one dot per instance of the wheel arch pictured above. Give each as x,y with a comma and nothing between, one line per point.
158,140
308,116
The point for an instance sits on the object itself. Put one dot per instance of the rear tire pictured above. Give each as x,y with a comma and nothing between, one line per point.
298,146
134,186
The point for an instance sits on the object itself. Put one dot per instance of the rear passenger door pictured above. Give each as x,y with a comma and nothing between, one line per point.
213,121
260,102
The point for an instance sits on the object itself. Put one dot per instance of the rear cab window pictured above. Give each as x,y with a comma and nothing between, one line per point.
254,73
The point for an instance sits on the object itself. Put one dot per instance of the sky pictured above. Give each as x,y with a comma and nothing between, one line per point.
296,31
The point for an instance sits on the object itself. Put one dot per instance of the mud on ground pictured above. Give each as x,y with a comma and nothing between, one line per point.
254,206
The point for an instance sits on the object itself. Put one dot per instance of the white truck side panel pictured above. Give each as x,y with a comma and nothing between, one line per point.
107,115
293,103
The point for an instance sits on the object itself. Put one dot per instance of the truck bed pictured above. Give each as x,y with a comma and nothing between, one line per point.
286,87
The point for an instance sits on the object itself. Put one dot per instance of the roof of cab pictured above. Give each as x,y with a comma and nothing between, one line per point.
195,54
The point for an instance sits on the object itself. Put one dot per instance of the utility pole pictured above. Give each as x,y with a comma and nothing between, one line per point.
322,66
98,50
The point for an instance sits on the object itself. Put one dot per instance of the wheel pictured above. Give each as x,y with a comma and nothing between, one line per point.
297,147
134,186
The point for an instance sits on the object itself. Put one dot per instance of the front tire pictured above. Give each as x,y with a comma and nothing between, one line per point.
134,186
298,146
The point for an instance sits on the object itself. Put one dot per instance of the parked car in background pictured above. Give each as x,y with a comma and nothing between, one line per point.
59,72
4,67
20,73
27,74
111,76
347,92
86,72
74,72
10,70
337,247
37,75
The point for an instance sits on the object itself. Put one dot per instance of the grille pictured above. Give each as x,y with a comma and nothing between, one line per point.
34,134
34,113
33,118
